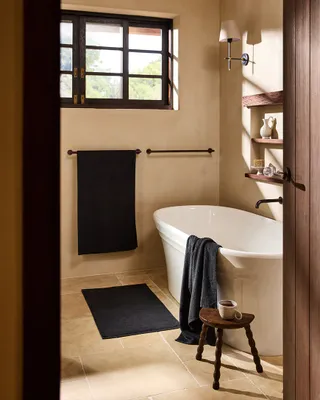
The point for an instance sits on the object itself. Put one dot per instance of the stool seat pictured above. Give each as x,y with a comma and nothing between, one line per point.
211,317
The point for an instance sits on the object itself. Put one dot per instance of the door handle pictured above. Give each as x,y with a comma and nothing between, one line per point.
287,176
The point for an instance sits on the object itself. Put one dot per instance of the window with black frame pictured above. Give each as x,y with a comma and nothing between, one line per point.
112,61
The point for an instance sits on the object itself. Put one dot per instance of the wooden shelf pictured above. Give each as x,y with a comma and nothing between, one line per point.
265,179
268,141
263,99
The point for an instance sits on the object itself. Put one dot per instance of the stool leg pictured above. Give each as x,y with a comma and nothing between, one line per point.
217,364
254,350
203,337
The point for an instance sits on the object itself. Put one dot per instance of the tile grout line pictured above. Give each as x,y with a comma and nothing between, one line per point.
276,367
186,368
121,283
86,378
173,391
247,377
256,386
162,292
187,389
234,364
98,286
133,272
151,397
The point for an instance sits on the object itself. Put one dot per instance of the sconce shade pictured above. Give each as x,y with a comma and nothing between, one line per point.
229,31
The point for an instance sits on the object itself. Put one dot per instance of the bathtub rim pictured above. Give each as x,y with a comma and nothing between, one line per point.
224,251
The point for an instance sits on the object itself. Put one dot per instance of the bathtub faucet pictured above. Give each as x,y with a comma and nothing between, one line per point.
279,200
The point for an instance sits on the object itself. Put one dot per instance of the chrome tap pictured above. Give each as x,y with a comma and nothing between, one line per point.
279,200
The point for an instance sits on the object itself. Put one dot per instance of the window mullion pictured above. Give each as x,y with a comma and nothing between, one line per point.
82,57
165,72
76,69
171,77
125,61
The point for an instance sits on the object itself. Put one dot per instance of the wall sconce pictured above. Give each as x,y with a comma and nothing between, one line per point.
230,33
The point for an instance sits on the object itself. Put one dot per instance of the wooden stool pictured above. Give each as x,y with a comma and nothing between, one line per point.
211,317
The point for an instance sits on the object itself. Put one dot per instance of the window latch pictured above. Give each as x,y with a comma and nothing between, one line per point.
82,73
75,72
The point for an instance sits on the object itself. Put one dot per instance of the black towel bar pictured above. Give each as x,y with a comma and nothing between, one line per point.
210,150
71,152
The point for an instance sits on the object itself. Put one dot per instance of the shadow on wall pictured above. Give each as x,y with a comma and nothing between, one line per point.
233,164
236,190
260,24
235,155
257,88
260,17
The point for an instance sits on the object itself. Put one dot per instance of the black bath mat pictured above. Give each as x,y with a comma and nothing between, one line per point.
128,310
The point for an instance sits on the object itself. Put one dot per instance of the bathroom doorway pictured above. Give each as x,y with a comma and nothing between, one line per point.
41,304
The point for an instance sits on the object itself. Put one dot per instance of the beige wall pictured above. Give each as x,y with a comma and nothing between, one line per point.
10,198
260,22
161,180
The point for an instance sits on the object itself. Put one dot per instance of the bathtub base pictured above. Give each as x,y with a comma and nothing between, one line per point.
175,262
256,291
256,285
249,268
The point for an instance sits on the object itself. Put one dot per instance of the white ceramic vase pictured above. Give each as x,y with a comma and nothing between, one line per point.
267,127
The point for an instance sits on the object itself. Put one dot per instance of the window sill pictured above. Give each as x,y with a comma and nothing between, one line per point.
116,107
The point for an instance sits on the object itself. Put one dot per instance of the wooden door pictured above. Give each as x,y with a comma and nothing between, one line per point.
302,208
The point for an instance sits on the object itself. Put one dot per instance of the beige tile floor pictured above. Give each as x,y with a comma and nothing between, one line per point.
152,366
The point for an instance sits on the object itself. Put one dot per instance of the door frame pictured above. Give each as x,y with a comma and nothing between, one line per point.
301,212
41,200
41,203
289,215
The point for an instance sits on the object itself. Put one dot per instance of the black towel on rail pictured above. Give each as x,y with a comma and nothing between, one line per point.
106,201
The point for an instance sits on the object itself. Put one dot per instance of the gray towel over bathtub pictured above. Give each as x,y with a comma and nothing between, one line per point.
199,288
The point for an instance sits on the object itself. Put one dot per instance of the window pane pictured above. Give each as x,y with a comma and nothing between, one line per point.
145,64
66,85
104,61
170,41
103,87
104,35
65,59
145,89
145,38
66,32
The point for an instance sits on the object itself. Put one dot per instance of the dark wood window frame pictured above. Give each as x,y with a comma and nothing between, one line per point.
79,73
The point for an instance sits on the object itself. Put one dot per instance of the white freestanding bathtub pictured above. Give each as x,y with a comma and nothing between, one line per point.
249,268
